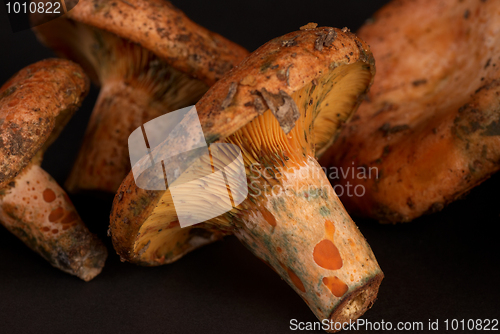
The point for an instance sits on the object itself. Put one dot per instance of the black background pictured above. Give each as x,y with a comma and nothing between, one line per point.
443,266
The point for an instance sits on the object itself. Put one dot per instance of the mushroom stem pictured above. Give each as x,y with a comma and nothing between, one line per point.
103,158
38,211
292,218
303,232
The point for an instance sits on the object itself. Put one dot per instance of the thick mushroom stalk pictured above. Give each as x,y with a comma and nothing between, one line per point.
430,123
279,107
38,211
147,66
34,106
295,222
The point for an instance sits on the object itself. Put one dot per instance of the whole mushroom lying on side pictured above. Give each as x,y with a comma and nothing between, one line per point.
35,105
280,106
149,59
430,124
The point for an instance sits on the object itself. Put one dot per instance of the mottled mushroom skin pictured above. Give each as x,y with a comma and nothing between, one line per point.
149,58
306,237
430,123
34,106
284,64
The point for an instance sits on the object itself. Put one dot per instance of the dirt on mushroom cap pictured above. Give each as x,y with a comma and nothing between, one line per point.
29,122
163,29
279,73
428,123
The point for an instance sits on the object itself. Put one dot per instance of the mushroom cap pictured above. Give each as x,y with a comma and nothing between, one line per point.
425,125
270,75
35,104
157,26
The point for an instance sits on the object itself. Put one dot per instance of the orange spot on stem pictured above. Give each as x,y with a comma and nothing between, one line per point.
69,218
326,255
295,280
56,214
335,285
268,216
351,242
329,229
49,195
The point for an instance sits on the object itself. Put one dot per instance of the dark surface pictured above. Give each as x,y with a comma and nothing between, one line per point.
443,266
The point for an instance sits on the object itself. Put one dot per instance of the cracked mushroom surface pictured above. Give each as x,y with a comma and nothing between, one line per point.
35,104
430,123
148,58
280,107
